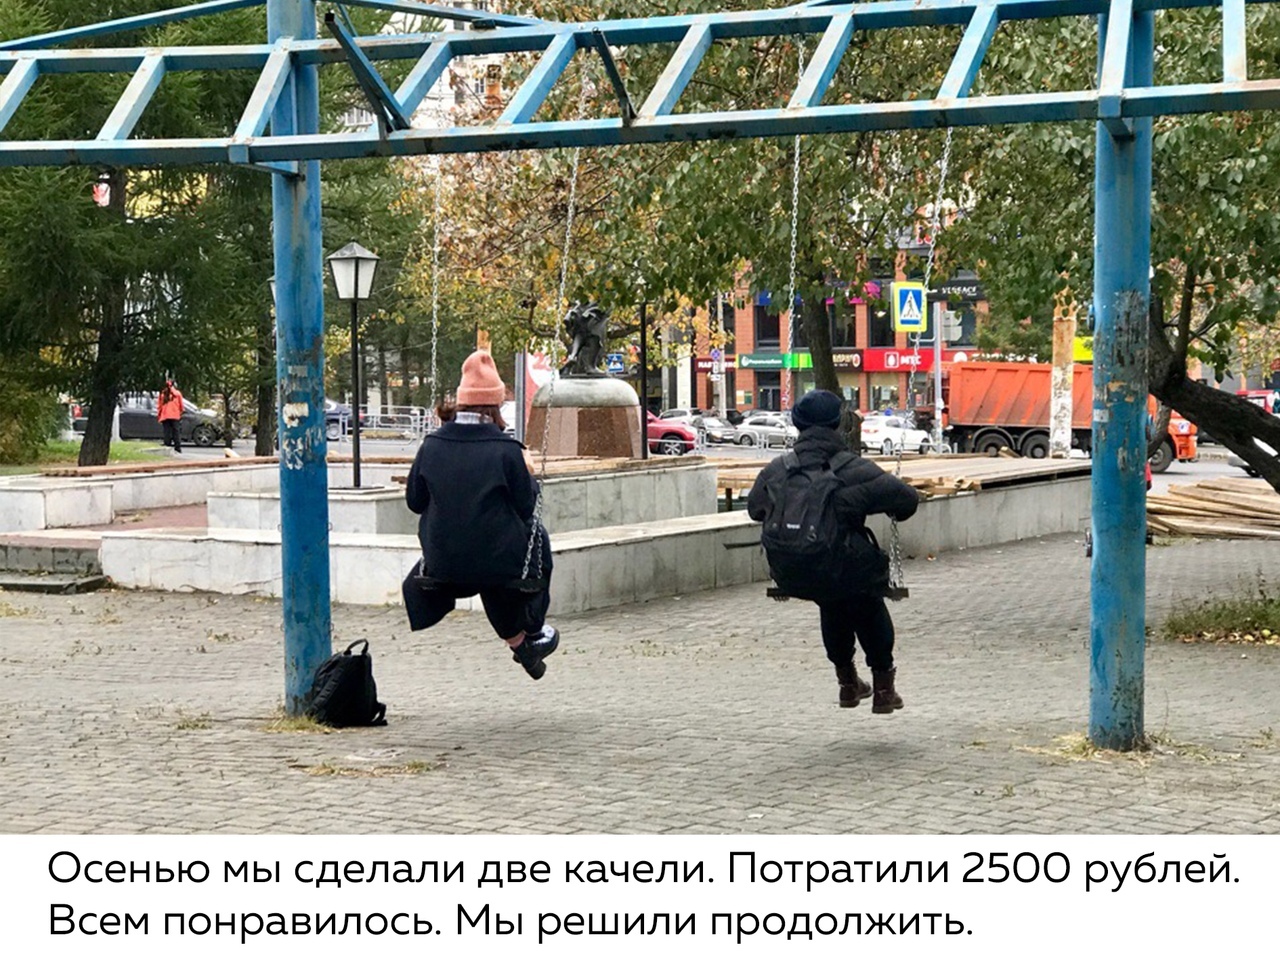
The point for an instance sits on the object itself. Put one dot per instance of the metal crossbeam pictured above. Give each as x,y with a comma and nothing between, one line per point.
482,18
1114,102
1115,69
381,100
134,99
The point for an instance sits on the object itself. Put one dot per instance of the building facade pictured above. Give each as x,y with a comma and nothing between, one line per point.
766,365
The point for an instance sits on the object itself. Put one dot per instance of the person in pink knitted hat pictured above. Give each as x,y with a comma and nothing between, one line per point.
474,493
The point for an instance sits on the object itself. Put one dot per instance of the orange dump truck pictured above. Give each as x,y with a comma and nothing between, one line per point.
994,405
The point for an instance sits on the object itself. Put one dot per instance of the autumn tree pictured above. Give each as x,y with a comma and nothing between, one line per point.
1215,230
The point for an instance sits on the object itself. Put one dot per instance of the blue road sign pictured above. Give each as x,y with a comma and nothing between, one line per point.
616,363
908,306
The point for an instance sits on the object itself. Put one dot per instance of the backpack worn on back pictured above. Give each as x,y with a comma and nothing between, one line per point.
343,693
812,556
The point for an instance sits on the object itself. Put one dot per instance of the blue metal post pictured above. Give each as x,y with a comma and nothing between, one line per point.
1122,255
304,487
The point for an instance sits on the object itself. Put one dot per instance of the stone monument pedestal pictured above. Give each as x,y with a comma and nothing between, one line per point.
587,417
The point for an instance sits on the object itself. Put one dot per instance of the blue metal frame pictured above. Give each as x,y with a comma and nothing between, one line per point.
299,269
1116,103
1121,292
285,100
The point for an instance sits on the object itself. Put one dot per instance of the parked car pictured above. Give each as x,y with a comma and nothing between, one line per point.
337,419
736,417
508,413
682,414
767,430
670,437
138,421
887,435
716,430
1235,461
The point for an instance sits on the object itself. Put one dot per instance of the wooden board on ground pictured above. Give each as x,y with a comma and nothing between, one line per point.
153,467
1224,507
935,476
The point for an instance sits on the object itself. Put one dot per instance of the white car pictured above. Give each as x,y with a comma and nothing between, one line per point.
767,430
889,435
1236,461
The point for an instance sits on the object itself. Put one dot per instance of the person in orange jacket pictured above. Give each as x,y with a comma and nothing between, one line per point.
169,413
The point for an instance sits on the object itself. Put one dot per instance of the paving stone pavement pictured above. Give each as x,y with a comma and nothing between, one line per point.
126,712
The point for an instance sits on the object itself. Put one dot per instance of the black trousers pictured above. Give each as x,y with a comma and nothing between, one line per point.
861,618
509,611
172,435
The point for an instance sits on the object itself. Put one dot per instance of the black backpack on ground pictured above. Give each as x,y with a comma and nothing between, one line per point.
811,555
343,693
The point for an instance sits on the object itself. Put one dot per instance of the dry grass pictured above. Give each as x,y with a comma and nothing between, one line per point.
285,724
188,721
1077,747
407,769
8,609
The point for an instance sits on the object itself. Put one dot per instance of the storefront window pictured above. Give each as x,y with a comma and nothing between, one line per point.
768,390
843,316
767,328
880,328
884,391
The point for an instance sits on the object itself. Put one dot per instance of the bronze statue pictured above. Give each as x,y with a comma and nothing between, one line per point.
588,324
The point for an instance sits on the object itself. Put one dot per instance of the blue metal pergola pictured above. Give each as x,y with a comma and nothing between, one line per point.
279,132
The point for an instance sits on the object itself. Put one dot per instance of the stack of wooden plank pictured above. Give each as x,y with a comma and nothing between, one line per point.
1226,507
739,480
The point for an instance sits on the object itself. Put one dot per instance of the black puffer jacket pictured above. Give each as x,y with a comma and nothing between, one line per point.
867,490
476,497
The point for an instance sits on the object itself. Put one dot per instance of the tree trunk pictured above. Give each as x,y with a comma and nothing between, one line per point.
384,387
1233,421
264,443
104,379
817,332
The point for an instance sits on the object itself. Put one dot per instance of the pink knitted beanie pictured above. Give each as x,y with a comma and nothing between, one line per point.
481,386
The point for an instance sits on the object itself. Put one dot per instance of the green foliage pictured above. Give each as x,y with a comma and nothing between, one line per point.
1229,618
29,416
673,223
170,277
1215,183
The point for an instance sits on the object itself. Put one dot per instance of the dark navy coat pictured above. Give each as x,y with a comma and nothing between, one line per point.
476,498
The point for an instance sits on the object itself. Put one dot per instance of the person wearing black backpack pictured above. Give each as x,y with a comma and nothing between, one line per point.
814,504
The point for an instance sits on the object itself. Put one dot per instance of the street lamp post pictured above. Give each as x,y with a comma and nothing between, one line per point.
353,268
644,379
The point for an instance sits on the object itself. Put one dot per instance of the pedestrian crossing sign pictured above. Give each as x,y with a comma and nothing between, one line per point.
908,307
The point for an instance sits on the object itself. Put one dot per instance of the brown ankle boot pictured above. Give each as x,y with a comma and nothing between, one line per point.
884,698
852,690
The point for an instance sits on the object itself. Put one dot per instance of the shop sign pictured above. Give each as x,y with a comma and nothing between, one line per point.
892,360
847,359
775,361
965,290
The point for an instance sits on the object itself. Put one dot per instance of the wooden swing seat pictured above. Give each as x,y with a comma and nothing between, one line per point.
891,592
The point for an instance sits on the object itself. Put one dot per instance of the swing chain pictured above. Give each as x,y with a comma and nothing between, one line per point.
536,534
795,227
895,545
435,281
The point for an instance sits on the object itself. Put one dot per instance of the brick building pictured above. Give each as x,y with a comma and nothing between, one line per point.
765,367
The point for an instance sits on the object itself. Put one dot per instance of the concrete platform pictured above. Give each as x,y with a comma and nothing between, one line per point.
658,489
51,583
596,568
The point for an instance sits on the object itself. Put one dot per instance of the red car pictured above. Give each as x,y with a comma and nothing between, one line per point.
670,437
